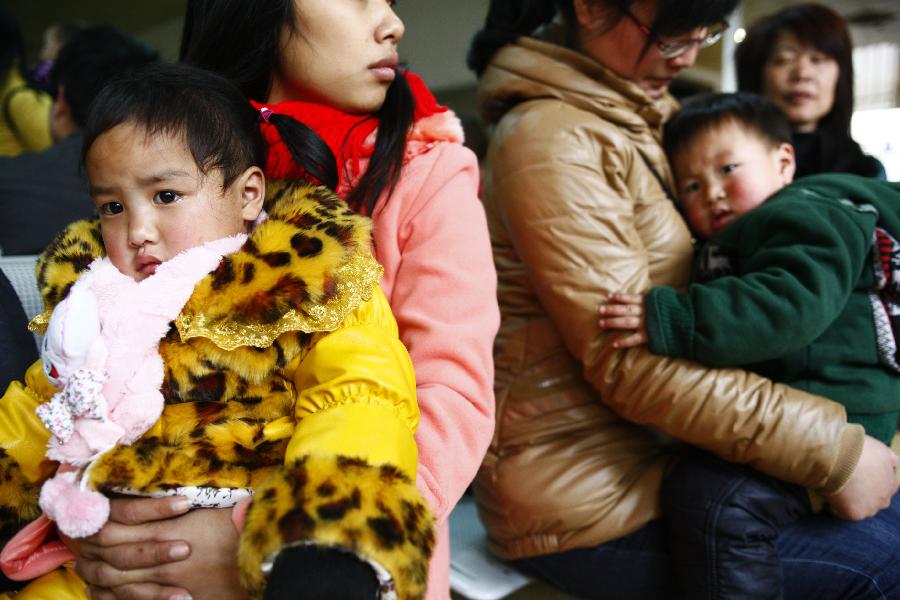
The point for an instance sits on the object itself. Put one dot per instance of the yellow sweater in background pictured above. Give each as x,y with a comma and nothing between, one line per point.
24,117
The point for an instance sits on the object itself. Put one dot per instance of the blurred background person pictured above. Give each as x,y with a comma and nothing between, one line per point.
801,57
42,192
23,110
54,38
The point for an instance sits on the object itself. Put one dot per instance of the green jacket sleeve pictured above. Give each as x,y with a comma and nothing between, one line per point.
796,262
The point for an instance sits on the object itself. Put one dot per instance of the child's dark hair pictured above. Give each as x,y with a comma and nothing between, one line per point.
706,111
219,125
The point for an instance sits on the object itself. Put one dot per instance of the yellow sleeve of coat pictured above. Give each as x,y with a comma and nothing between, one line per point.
350,467
23,441
356,393
58,584
23,436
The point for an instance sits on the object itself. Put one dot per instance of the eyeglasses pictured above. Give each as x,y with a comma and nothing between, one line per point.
674,48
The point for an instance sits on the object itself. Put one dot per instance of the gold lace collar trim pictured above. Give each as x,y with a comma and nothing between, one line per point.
356,281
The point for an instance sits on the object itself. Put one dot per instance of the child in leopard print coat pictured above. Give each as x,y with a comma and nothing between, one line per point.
210,349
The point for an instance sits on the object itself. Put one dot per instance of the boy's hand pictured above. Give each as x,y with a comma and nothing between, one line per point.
625,312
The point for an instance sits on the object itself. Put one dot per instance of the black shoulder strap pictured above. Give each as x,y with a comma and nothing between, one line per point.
662,182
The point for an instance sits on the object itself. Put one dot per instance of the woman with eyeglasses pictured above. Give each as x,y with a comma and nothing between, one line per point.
577,192
801,58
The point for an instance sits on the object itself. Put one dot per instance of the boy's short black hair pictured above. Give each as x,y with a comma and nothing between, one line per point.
706,111
218,124
89,59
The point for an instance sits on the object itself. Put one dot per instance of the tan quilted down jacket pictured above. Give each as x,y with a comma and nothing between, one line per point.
584,432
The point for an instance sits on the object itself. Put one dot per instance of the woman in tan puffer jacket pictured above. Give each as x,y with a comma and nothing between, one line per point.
576,189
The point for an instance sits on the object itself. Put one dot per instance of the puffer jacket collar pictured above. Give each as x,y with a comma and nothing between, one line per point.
534,68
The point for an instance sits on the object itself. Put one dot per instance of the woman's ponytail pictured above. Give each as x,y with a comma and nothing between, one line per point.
395,117
309,151
508,20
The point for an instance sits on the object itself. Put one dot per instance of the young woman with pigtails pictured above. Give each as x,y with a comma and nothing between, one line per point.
324,75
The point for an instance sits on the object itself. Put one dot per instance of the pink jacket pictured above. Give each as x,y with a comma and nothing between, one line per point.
431,238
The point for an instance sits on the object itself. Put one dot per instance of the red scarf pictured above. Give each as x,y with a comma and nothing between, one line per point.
346,134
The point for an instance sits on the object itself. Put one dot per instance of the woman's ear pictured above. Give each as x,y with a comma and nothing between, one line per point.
62,124
588,13
252,185
787,162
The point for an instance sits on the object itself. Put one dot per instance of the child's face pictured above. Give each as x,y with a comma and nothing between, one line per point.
155,203
727,171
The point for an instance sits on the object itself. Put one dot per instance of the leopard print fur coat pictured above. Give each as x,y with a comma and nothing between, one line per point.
235,407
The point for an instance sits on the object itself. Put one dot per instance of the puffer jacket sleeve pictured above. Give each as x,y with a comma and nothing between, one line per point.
356,392
349,476
23,441
563,198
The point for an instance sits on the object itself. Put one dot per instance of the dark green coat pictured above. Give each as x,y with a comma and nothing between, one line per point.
787,294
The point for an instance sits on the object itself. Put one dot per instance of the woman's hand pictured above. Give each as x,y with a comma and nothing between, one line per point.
872,485
625,312
153,549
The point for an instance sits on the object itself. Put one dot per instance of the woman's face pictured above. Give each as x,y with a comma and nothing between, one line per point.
800,80
342,53
620,49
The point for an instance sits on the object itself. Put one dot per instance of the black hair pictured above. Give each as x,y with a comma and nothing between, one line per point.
508,20
240,39
701,113
89,59
12,46
219,125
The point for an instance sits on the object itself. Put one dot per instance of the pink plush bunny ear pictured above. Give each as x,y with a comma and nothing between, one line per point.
78,511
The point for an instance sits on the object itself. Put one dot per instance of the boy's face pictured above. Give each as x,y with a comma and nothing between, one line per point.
155,203
727,171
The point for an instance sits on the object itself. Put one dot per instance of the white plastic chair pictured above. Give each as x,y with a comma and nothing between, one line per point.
20,272
474,572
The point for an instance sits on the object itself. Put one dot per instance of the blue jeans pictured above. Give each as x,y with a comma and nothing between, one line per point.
822,557
724,521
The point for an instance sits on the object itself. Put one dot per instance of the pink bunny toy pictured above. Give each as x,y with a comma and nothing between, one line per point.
102,350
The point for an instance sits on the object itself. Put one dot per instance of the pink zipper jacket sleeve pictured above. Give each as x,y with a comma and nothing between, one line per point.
431,237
